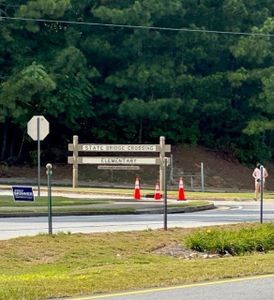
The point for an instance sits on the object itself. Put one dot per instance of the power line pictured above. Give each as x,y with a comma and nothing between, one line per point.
138,27
8,5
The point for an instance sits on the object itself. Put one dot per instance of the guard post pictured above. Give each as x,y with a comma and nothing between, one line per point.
49,173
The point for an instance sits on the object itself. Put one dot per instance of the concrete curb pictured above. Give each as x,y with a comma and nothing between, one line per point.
176,210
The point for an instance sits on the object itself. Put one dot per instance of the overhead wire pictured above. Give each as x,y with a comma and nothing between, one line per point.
8,5
144,27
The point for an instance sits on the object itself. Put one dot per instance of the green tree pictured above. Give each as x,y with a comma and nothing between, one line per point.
20,96
114,84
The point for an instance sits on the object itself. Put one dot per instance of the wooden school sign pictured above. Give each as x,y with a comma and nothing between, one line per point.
110,161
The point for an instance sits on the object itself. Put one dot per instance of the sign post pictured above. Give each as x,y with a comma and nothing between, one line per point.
38,129
38,156
162,158
49,173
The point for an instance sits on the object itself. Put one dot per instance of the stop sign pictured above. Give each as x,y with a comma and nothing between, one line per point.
35,123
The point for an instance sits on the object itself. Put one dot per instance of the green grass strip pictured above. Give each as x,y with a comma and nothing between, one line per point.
7,201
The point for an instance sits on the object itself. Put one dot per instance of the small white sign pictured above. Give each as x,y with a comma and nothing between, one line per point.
118,168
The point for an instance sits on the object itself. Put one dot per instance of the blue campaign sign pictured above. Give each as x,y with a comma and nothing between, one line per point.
23,193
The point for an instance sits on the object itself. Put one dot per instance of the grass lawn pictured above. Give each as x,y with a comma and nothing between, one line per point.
7,201
40,205
67,265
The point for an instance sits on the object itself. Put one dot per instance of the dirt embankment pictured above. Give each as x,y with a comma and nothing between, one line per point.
221,172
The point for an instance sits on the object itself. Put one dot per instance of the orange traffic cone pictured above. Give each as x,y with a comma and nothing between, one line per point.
137,193
157,194
181,192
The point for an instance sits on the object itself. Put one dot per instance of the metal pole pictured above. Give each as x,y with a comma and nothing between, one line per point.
165,194
262,193
171,169
49,173
202,177
38,155
162,158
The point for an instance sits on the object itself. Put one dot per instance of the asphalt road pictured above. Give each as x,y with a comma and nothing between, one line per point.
256,288
227,213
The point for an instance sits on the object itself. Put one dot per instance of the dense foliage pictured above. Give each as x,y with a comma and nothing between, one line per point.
112,84
235,242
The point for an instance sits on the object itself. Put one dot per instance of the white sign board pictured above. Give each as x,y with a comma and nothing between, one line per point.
100,160
38,122
119,148
118,168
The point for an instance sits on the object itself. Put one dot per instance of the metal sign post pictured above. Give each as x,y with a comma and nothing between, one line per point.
38,129
38,156
262,193
49,173
162,163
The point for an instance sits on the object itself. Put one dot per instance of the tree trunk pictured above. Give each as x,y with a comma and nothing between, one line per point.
140,132
4,142
12,142
21,147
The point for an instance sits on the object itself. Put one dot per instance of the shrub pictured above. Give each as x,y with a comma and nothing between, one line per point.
259,237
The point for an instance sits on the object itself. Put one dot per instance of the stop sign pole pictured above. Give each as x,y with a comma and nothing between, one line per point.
38,156
38,129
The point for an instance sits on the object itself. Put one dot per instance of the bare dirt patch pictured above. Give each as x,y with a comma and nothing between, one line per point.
221,170
181,252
